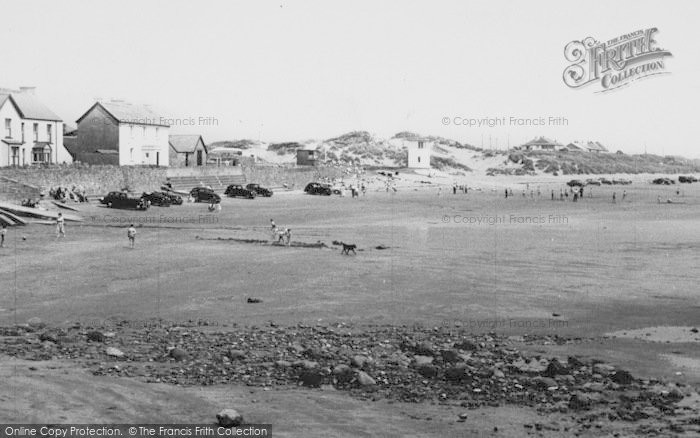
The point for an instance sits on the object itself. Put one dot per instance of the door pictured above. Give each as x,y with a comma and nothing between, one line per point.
199,158
157,159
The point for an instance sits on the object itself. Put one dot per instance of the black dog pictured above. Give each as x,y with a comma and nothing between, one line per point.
347,248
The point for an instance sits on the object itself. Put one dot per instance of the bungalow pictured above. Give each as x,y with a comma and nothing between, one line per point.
187,150
122,133
575,146
540,144
595,146
32,133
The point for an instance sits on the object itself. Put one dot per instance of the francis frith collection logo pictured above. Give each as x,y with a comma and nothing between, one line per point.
614,63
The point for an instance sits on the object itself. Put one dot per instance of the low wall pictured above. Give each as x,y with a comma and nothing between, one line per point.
293,177
96,179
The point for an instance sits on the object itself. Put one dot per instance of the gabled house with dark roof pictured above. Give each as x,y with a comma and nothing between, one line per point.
187,151
540,144
122,133
31,132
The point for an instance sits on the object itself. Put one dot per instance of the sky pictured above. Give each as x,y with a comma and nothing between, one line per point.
295,70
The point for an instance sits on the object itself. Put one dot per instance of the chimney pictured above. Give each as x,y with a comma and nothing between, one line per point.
27,90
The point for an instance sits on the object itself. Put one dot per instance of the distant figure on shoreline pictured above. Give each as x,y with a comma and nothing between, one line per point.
614,197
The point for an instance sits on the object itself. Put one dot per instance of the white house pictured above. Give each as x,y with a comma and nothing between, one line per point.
118,132
31,133
419,151
540,144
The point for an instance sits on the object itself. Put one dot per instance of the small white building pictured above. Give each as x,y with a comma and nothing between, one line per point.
419,151
118,132
31,132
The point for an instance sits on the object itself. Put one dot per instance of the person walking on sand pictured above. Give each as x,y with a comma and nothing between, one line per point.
624,194
552,195
131,234
3,231
506,193
614,197
288,236
60,226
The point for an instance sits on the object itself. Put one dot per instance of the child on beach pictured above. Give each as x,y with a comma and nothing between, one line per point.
131,234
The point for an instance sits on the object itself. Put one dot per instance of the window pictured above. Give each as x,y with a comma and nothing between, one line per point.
22,134
131,130
8,128
420,145
36,132
48,133
419,159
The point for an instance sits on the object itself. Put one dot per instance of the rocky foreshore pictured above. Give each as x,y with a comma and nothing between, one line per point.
396,363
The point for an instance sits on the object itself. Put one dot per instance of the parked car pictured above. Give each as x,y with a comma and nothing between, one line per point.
260,191
592,182
238,191
623,182
157,199
315,188
174,199
123,200
204,194
664,181
606,181
687,179
575,183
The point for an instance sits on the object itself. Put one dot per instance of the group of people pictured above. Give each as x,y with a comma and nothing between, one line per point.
280,235
63,194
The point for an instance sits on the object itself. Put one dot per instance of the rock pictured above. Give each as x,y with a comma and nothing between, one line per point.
178,354
580,401
283,364
253,300
465,345
229,418
311,378
694,329
459,373
427,370
365,379
622,377
544,383
463,416
36,323
450,356
574,362
309,364
554,369
343,373
359,361
603,369
422,360
95,336
498,374
425,349
114,352
48,337
235,354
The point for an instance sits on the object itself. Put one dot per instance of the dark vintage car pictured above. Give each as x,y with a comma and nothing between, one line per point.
315,188
260,191
238,191
664,181
687,179
575,183
123,200
204,194
158,199
592,182
606,181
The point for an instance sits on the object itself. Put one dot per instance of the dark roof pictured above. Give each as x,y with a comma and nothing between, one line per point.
542,141
125,112
185,143
29,107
